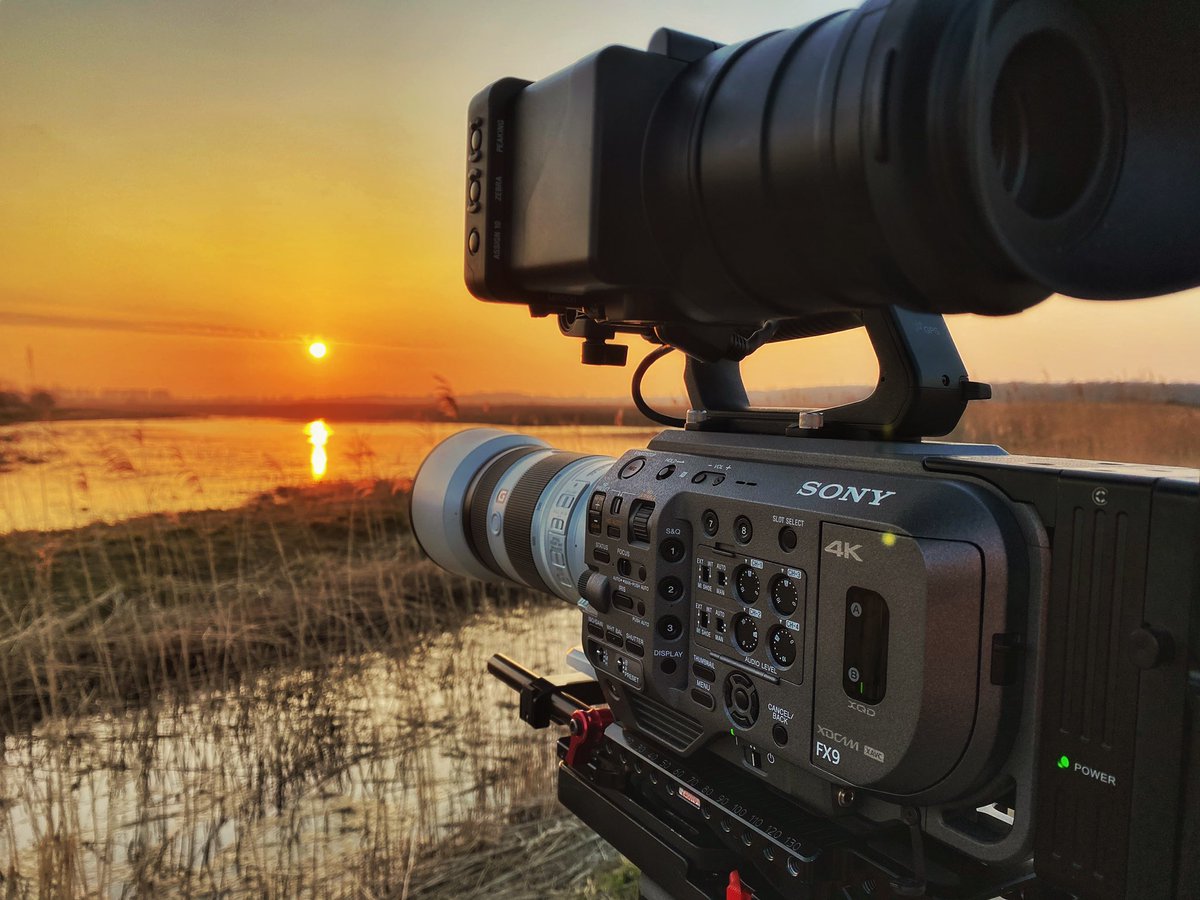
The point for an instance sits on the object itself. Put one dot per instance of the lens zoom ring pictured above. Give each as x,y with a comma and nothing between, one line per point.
518,517
477,504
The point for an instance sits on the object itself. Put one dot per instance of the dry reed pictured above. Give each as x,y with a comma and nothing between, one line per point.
1151,433
217,676
116,614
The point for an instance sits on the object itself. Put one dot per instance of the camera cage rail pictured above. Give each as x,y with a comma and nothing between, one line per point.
922,391
698,831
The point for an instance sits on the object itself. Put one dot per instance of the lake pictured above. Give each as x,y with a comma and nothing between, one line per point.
66,474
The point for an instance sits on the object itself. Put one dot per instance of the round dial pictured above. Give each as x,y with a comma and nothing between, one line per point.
783,646
747,584
785,596
745,632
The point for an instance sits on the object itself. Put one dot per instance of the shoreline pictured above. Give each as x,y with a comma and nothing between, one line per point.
519,410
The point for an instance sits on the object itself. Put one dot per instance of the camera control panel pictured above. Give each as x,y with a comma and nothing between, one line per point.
803,621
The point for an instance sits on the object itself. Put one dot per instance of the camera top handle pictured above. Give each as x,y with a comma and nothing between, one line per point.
923,389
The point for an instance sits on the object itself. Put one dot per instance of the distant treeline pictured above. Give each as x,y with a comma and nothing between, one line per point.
17,407
516,410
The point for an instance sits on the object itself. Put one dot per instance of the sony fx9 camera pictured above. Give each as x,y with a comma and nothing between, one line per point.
1003,647
821,655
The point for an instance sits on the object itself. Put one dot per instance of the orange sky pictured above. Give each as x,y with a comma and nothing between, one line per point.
190,190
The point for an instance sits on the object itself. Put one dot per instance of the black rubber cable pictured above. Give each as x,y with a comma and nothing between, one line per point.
643,407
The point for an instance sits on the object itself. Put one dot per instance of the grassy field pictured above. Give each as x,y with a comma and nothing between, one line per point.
1154,433
286,699
250,688
113,614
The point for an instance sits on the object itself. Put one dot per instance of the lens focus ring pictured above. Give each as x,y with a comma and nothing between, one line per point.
518,517
477,505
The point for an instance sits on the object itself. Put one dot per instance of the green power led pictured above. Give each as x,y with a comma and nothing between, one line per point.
1064,763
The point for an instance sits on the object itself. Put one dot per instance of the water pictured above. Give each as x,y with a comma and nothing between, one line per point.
298,783
66,474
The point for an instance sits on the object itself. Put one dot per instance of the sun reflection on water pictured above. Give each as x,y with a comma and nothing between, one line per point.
318,434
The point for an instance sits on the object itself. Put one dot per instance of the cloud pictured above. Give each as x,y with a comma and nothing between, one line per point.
169,328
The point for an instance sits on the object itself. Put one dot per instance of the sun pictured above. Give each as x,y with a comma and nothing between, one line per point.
317,349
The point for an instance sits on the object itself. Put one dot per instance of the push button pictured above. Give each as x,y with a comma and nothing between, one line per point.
787,539
666,472
704,698
670,588
704,671
743,531
711,522
669,628
671,550
632,467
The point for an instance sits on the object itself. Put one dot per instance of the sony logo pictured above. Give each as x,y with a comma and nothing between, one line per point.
843,492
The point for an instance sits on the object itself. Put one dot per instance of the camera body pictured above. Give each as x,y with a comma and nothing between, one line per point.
1005,646
814,624
928,625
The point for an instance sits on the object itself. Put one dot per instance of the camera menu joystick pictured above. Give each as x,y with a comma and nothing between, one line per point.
741,699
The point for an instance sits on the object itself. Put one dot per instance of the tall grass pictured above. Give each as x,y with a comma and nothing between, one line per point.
359,780
280,700
1150,433
115,614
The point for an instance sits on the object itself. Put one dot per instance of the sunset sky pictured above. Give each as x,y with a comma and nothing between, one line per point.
192,191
